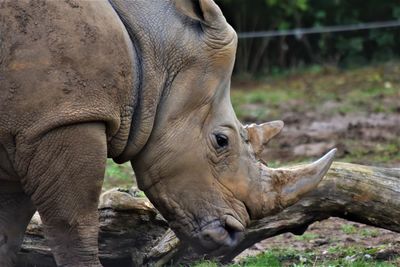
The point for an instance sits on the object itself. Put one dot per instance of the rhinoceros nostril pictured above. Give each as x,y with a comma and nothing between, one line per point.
207,237
219,237
218,234
233,224
231,232
213,237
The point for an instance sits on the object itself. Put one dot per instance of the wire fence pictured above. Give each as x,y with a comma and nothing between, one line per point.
299,32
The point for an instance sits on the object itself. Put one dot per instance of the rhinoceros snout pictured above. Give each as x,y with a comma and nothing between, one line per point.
216,236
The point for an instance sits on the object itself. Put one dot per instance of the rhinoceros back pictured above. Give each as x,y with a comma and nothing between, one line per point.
61,63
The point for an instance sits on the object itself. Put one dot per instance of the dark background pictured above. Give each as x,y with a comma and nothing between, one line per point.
343,49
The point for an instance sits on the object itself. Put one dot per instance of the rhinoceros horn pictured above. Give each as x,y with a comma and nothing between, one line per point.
261,134
282,187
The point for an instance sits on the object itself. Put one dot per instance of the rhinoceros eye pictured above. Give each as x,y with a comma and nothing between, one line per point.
222,140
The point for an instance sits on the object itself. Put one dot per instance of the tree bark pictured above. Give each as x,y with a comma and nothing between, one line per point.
369,195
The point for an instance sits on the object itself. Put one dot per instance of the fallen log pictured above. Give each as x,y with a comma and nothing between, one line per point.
129,228
369,195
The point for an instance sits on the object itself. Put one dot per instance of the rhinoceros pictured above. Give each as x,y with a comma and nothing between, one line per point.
144,81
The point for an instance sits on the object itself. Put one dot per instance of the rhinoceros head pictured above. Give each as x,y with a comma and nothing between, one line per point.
201,166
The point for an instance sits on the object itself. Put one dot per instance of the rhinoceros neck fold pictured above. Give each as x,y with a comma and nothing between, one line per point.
151,74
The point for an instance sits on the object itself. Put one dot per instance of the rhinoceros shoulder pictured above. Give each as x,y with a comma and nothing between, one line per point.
63,62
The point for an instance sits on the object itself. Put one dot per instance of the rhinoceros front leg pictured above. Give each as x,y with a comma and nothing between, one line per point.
64,181
16,210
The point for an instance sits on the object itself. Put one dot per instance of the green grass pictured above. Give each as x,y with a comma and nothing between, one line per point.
341,251
260,103
375,154
306,236
368,100
369,232
205,263
139,193
339,256
268,258
348,229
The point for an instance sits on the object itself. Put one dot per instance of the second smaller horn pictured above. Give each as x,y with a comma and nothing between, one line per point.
261,134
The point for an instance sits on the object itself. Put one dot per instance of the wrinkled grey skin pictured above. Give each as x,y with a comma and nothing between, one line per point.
145,81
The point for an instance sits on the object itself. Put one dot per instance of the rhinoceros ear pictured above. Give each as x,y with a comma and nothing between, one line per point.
261,134
205,11
212,20
190,8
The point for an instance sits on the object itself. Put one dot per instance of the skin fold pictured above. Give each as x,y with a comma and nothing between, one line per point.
145,81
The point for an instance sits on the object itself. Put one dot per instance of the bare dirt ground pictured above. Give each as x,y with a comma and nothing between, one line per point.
369,139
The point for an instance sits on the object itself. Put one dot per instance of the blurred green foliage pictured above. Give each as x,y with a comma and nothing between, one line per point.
260,55
118,175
